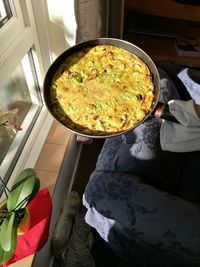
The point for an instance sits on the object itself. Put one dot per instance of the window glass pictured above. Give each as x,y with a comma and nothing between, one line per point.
19,104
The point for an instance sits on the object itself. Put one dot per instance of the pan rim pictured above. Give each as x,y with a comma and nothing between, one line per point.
112,41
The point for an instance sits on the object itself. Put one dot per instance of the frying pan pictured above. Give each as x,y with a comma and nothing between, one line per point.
103,41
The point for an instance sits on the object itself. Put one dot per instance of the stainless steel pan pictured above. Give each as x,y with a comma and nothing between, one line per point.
102,41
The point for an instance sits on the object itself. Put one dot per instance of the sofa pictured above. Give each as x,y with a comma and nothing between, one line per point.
143,202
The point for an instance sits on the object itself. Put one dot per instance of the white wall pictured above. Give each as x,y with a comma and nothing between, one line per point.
55,24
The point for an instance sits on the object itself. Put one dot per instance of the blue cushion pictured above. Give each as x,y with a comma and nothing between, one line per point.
141,224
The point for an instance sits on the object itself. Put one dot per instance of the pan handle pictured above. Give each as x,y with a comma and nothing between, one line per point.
162,111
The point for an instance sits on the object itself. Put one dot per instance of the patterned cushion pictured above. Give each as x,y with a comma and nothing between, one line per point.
143,224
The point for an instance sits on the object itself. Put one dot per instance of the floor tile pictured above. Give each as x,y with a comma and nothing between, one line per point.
58,134
51,157
47,179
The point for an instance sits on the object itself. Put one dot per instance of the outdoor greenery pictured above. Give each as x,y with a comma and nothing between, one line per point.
12,210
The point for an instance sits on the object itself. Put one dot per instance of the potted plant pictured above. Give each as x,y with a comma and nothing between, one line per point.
14,212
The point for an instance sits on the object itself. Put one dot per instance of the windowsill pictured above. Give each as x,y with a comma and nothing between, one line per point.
50,159
48,167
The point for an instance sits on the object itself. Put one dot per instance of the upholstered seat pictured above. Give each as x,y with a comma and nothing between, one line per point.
143,201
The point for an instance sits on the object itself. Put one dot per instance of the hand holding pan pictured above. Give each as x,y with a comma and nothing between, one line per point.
162,111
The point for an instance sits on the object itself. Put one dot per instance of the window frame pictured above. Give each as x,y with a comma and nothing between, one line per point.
14,151
8,12
12,27
25,38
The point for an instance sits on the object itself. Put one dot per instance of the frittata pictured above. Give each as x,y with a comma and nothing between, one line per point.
102,90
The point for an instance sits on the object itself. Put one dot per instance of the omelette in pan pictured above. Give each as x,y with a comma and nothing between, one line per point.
101,90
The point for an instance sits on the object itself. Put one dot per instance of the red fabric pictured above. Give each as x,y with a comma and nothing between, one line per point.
40,209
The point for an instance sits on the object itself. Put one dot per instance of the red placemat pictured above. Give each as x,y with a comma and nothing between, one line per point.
40,209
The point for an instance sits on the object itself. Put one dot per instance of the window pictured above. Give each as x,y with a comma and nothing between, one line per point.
20,103
12,22
21,69
5,12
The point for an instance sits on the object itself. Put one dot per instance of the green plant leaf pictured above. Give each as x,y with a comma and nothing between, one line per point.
22,193
23,176
6,255
35,189
6,233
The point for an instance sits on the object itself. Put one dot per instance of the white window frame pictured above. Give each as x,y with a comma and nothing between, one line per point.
36,105
26,37
12,27
5,14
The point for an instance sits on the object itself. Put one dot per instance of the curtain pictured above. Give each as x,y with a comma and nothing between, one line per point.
89,19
